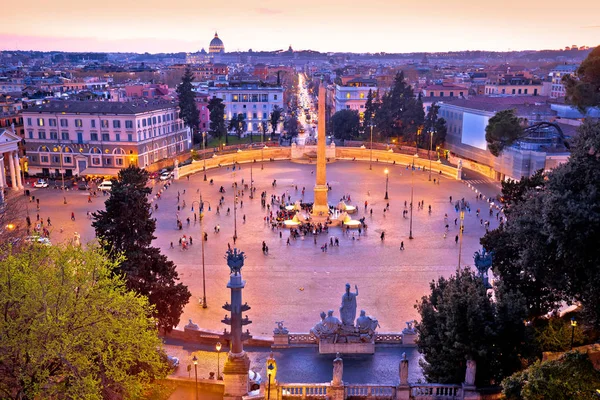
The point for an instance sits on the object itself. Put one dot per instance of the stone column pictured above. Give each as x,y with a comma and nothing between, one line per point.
320,206
2,179
18,169
403,389
11,166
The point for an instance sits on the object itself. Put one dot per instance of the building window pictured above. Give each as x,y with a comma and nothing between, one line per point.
104,123
55,159
347,95
105,137
44,159
274,97
64,123
441,94
108,161
41,135
431,94
28,121
513,91
461,94
519,91
451,94
254,116
95,160
30,134
129,124
64,135
67,160
118,137
362,95
93,136
525,91
119,161
78,123
535,92
40,122
116,124
154,120
51,122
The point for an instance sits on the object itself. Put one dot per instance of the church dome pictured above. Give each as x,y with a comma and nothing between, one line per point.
216,45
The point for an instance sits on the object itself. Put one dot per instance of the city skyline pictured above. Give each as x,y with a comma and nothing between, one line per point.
383,26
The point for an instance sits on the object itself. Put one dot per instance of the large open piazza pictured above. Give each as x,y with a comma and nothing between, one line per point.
295,282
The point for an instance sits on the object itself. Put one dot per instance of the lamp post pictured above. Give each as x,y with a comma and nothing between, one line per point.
417,145
412,190
22,164
251,181
573,325
387,177
371,153
204,153
235,198
429,152
195,361
200,217
462,206
218,347
262,149
270,369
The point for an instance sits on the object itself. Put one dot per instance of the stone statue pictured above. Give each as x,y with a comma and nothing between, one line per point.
470,373
235,260
280,330
366,326
348,308
319,328
331,324
176,163
191,326
410,329
483,262
338,371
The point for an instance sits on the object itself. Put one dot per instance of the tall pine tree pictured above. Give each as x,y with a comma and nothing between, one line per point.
187,103
126,228
217,118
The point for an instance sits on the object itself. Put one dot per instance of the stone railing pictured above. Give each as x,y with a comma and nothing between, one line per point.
370,392
435,391
301,338
392,338
302,390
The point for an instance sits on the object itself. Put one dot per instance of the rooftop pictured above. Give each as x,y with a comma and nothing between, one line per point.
100,107
523,104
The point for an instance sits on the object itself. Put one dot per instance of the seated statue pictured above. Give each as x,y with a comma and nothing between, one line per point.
319,329
331,323
366,326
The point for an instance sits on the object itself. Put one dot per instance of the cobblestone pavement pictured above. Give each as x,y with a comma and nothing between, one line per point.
295,283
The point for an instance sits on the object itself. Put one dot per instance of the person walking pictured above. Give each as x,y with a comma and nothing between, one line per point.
456,239
72,216
49,224
402,245
382,236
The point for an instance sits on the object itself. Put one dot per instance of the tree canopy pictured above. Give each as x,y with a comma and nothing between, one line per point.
433,124
274,119
187,101
71,329
238,124
583,90
503,129
460,322
345,124
548,247
217,118
126,231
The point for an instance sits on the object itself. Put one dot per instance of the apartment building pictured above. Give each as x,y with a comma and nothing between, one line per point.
100,138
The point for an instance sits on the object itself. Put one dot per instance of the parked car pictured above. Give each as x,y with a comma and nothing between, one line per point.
153,175
82,185
41,183
165,176
173,361
38,239
254,381
105,186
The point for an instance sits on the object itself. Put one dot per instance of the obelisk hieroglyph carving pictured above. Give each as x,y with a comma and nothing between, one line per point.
320,206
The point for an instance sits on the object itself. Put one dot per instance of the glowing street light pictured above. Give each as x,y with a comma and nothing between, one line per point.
573,325
387,177
195,361
218,347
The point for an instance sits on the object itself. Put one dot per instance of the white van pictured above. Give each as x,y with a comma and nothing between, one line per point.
105,186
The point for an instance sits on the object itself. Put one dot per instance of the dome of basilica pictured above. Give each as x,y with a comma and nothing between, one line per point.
216,45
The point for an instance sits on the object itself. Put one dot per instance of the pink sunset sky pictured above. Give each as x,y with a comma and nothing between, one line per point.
325,25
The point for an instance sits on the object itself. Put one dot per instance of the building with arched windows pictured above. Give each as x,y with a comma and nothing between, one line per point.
99,138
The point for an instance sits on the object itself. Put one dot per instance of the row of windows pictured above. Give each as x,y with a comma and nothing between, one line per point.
514,91
93,136
156,120
254,98
250,116
361,95
64,123
432,94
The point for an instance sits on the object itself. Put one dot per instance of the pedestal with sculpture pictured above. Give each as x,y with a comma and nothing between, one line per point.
336,388
346,336
237,364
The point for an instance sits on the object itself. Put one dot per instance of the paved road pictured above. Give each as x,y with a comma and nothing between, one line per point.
295,283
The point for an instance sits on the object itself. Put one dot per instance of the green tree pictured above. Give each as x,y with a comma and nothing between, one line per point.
70,328
570,377
460,321
503,129
291,125
217,118
274,119
345,124
187,103
126,231
238,124
548,247
514,192
371,106
584,89
437,125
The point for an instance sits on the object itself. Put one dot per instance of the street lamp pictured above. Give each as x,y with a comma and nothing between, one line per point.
412,191
218,347
371,154
429,152
235,198
417,145
270,370
387,177
204,153
462,207
195,361
200,217
573,325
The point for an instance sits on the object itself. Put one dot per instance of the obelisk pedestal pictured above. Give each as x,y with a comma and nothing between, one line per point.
320,205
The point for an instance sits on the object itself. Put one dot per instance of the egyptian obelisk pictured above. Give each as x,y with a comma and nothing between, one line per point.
320,206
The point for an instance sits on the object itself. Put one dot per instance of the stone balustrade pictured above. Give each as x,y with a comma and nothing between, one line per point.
435,391
370,391
305,339
302,390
